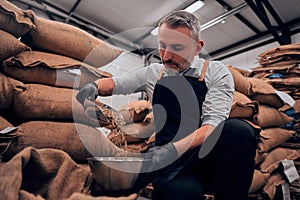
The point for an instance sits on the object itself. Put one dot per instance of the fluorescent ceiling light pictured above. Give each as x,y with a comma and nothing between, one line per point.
194,6
191,9
224,16
154,31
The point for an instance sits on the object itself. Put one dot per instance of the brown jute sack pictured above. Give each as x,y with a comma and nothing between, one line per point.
274,181
39,174
240,97
41,102
260,86
4,123
247,110
260,156
242,106
297,106
90,74
7,91
241,83
270,117
10,46
258,181
43,68
290,81
288,47
268,99
14,20
135,111
68,40
286,68
275,156
273,137
63,136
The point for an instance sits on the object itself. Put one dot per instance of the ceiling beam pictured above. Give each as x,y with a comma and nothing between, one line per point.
70,13
239,16
280,33
221,53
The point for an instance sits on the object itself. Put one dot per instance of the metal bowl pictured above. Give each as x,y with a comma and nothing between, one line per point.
116,173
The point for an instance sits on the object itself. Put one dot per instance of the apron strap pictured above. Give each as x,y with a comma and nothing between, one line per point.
201,77
161,72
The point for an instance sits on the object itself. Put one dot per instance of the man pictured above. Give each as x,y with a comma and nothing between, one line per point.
197,149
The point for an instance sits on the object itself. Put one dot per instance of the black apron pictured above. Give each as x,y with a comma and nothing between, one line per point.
177,106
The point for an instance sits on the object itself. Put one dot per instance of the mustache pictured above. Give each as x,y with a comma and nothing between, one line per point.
170,62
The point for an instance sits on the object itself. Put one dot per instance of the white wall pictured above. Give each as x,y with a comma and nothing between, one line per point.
249,59
125,63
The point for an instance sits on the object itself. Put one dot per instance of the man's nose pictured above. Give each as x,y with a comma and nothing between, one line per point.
167,54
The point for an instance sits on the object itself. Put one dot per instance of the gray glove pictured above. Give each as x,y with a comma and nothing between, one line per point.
88,91
161,156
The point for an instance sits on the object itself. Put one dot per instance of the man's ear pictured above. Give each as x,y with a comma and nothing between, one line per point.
199,46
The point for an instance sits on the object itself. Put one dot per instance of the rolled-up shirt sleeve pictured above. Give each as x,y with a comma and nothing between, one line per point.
218,100
140,80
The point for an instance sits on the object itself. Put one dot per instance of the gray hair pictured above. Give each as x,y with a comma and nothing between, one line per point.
181,18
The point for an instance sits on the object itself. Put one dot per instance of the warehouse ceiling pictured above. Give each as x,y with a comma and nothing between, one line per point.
229,27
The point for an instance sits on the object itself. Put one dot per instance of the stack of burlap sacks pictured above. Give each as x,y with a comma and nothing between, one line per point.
38,92
261,106
38,85
279,67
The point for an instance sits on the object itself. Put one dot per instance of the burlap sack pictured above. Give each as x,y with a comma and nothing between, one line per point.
285,60
240,97
259,86
264,93
260,156
275,156
268,99
68,40
290,81
75,139
242,106
241,83
14,20
281,68
270,117
4,123
258,181
38,174
297,106
135,111
273,137
7,86
244,72
10,46
41,102
90,74
283,48
274,181
260,75
45,68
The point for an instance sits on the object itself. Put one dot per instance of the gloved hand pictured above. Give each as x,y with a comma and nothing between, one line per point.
161,156
88,91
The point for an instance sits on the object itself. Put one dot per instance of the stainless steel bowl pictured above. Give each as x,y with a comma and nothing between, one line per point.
116,173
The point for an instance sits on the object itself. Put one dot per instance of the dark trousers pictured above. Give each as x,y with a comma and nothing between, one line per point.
226,171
